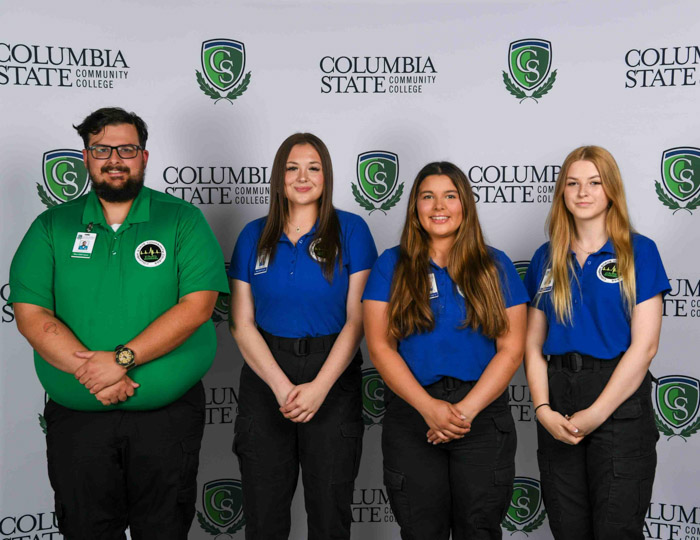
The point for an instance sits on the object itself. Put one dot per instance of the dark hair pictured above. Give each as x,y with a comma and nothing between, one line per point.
328,231
96,121
470,265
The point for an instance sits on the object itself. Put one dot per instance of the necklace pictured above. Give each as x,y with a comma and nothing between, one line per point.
588,252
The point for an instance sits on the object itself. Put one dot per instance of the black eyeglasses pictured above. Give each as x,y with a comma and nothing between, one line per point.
125,151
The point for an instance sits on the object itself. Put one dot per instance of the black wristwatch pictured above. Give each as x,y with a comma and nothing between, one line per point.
124,357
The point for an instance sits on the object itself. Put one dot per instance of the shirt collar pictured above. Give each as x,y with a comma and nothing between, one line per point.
139,212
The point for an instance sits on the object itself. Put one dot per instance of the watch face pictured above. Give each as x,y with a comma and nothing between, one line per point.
125,357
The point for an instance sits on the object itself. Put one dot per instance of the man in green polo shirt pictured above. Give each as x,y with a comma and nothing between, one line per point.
114,291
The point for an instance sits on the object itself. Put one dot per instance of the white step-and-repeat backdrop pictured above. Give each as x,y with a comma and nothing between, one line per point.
503,89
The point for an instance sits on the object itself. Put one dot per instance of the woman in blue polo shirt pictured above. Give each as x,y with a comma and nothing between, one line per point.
445,325
593,329
297,277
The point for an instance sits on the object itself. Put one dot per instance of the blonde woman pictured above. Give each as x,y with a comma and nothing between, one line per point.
445,325
593,329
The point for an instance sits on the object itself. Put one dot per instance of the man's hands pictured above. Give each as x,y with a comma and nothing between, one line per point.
122,390
99,371
106,379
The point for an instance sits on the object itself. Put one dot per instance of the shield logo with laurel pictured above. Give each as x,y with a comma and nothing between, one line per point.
677,399
377,173
222,501
680,172
526,511
65,177
377,178
521,267
372,397
223,62
529,61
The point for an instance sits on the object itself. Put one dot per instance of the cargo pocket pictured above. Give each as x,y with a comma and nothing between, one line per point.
396,489
187,491
550,495
631,486
629,432
346,463
503,485
506,438
242,437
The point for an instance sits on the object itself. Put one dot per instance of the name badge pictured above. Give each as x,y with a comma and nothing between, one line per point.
261,263
547,282
84,243
433,286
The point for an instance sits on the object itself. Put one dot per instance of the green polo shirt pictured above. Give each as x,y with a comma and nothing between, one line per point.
164,250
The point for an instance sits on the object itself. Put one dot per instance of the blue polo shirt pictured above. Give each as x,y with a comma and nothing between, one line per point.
600,326
447,351
292,298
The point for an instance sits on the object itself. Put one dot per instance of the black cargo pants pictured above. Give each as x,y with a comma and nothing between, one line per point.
601,488
117,469
463,486
270,448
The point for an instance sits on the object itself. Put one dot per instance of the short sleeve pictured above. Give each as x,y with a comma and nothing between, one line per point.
650,273
362,253
243,253
32,268
379,282
200,260
514,292
533,275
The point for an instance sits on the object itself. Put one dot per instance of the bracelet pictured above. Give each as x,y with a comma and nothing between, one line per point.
542,405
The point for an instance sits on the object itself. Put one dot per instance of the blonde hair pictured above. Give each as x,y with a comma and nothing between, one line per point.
562,228
470,266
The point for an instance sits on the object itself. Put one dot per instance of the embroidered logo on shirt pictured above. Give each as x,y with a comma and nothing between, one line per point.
607,271
317,253
150,253
261,263
547,282
433,286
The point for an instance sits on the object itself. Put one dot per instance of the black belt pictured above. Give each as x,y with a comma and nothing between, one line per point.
299,346
576,362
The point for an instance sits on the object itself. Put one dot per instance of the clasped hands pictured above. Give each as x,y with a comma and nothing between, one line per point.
446,421
106,379
570,429
299,403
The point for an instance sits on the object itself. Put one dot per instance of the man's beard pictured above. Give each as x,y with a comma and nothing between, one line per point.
127,192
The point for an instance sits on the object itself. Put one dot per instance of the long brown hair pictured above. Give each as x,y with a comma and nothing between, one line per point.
327,237
470,266
562,229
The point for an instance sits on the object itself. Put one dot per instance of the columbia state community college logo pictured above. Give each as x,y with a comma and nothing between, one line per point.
222,502
526,511
680,178
223,64
372,397
529,62
676,406
65,177
377,185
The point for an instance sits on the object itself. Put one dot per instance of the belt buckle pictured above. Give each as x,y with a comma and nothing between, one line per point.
577,362
301,347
